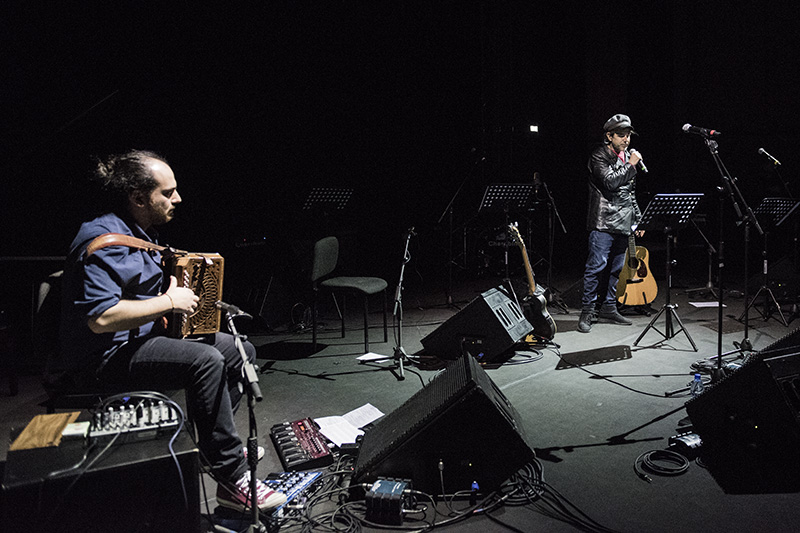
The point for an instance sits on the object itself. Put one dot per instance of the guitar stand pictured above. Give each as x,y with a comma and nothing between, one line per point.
663,211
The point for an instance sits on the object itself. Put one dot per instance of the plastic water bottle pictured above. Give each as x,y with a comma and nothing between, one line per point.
697,386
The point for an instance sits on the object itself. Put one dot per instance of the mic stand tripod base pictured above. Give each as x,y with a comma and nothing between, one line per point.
398,358
555,300
669,332
744,346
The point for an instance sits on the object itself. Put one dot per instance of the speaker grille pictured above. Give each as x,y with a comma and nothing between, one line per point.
461,419
749,425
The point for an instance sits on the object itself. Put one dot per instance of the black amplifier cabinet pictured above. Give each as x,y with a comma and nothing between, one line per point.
133,486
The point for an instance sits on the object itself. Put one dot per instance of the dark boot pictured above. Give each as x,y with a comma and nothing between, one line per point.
613,316
585,321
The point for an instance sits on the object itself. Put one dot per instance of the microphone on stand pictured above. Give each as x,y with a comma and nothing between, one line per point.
774,161
641,161
537,184
688,128
232,309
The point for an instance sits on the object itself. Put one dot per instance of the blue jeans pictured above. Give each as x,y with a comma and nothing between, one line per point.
603,265
210,370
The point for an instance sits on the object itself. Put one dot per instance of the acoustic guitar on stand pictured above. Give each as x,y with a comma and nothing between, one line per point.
636,285
534,305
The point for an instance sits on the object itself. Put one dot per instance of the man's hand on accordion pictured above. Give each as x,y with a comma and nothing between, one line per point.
183,299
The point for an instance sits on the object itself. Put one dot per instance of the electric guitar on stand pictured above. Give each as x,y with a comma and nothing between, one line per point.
636,285
534,303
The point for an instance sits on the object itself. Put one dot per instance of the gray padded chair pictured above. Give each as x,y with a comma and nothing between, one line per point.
326,257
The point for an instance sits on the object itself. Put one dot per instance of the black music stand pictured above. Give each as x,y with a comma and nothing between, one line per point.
668,212
773,212
506,197
327,198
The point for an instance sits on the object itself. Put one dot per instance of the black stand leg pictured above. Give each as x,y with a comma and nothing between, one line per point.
745,345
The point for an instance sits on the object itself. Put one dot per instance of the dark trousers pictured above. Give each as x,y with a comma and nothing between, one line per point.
603,265
210,370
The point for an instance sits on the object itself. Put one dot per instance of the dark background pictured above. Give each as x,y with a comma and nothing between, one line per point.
255,103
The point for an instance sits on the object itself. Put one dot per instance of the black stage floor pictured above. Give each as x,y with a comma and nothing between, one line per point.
590,405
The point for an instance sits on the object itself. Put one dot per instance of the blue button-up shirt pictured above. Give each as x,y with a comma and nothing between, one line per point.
94,284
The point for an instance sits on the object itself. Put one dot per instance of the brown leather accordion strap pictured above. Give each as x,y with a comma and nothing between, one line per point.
118,239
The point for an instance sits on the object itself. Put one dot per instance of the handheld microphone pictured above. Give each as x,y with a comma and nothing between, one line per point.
232,309
764,152
641,161
688,128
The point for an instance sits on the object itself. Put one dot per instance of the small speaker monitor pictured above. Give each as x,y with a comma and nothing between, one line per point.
488,326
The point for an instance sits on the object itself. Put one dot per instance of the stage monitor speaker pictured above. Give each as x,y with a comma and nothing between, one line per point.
488,326
132,487
460,426
749,423
789,340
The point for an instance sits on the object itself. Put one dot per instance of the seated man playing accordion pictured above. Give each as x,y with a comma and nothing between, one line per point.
112,327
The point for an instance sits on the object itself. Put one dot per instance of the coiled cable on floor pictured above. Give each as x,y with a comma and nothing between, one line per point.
660,462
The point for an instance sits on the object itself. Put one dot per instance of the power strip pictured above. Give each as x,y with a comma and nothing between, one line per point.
149,419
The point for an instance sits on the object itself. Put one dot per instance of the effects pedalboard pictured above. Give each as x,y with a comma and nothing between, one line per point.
295,485
300,445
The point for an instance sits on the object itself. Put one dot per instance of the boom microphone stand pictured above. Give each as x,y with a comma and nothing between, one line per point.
796,230
744,214
774,212
250,378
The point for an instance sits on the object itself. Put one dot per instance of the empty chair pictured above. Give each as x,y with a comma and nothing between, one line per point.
326,257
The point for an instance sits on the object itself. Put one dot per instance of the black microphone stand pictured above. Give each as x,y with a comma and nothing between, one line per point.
400,355
710,250
449,212
795,312
553,296
731,190
250,384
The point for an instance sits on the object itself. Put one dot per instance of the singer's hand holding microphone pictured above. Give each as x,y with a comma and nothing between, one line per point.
636,159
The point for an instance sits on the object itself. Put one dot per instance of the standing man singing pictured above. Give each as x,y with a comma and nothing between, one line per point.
112,327
613,214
